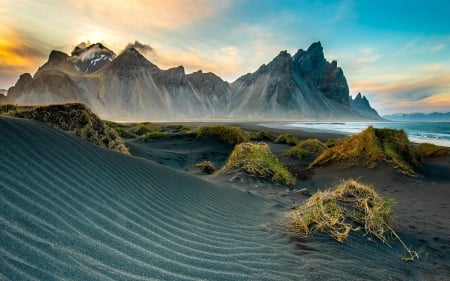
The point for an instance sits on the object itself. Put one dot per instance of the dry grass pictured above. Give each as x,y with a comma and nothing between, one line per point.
350,207
256,159
371,147
72,117
309,148
431,150
206,167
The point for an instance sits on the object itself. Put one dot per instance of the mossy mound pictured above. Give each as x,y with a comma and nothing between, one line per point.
348,208
263,136
307,149
144,128
371,147
122,129
287,139
230,134
206,167
431,150
256,159
72,117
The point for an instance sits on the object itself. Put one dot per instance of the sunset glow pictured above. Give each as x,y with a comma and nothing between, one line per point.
401,62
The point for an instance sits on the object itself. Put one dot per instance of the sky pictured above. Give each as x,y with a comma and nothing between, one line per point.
396,53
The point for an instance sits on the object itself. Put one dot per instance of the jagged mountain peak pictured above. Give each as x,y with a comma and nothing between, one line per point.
91,58
57,56
129,86
131,60
361,105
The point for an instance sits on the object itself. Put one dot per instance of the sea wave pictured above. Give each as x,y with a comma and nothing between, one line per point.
432,132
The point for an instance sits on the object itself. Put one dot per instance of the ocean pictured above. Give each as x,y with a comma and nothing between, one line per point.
432,132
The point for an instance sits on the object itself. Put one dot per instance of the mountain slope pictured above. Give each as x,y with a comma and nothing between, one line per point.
129,87
361,105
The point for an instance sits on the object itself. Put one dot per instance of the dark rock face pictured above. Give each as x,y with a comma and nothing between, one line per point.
129,87
361,105
322,75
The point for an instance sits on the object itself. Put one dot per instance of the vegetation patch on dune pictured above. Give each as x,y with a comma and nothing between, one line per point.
122,129
207,167
287,139
72,117
256,159
230,134
431,150
371,147
307,149
263,136
350,207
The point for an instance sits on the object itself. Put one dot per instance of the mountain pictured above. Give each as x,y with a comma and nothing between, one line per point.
426,117
91,58
129,87
361,105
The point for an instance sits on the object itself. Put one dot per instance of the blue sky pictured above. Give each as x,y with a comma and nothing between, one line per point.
397,53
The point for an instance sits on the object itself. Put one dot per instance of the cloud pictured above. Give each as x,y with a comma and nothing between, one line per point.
19,53
439,47
419,93
142,48
146,14
367,55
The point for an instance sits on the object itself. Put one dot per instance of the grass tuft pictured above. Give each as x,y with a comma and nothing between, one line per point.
431,150
287,139
76,118
263,136
257,159
144,128
371,147
309,148
230,134
348,208
206,167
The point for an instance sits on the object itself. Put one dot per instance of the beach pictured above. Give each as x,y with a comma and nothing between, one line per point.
71,210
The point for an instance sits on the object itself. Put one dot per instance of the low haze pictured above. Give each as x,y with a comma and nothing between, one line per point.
396,53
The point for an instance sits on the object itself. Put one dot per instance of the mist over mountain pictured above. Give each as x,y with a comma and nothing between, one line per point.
129,87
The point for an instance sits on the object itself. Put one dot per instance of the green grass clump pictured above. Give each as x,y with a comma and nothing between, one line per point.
179,128
230,134
431,150
144,128
257,159
371,147
153,135
263,136
287,139
309,148
122,129
345,209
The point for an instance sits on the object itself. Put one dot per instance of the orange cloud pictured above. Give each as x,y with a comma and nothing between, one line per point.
424,92
147,14
18,54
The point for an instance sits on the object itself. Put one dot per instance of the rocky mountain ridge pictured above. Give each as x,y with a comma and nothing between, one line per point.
129,87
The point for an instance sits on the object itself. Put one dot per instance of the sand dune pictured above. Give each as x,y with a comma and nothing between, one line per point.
73,211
